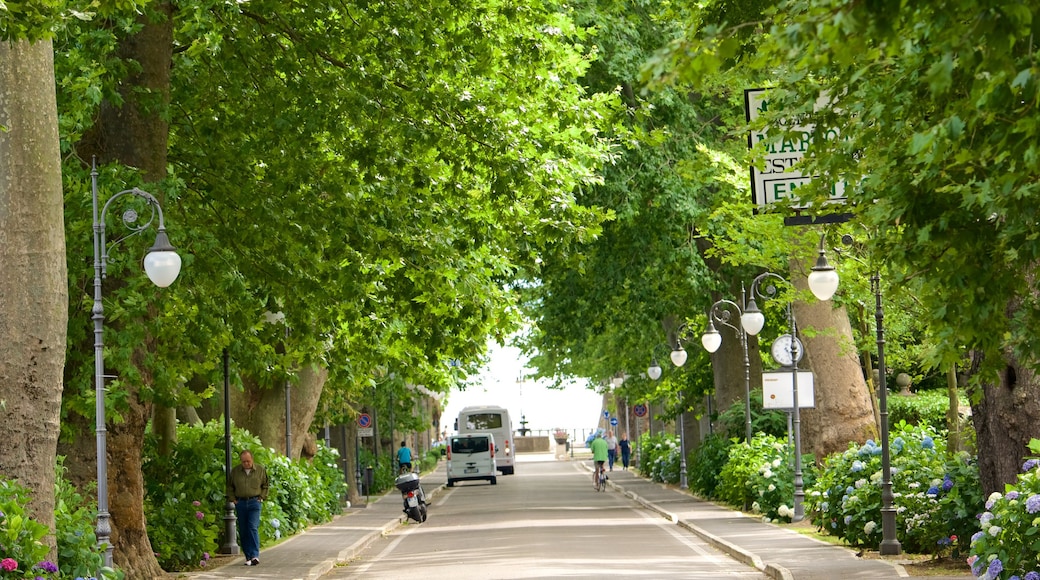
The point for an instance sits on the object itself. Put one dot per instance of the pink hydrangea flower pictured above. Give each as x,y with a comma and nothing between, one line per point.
9,564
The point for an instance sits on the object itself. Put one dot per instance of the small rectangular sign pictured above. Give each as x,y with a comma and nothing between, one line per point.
778,390
365,431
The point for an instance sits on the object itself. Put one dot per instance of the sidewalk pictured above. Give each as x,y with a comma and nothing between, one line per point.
310,555
780,553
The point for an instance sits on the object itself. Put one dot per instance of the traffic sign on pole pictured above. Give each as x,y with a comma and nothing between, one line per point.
613,421
639,410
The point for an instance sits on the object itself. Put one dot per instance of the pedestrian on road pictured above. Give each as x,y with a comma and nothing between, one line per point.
599,457
248,490
612,449
626,449
404,459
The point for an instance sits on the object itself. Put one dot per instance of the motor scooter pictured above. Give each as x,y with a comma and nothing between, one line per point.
413,496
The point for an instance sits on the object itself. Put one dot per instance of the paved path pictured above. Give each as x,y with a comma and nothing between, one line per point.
778,552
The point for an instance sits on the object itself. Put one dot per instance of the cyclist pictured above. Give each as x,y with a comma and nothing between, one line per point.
404,458
599,457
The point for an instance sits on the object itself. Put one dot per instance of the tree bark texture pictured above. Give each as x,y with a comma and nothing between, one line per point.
135,134
260,409
1005,417
34,284
843,410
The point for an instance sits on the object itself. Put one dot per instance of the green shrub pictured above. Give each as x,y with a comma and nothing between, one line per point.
660,457
760,475
731,422
23,552
74,519
923,408
935,499
185,509
706,464
1009,541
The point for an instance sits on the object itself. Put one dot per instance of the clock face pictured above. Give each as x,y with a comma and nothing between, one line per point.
781,350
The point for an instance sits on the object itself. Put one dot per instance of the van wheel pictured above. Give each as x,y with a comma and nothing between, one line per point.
451,483
494,481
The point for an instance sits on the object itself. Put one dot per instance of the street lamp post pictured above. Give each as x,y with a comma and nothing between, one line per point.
823,282
890,545
162,264
230,542
712,340
679,356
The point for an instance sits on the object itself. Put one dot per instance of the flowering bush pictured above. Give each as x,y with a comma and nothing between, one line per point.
1008,545
74,519
759,475
660,457
706,464
935,500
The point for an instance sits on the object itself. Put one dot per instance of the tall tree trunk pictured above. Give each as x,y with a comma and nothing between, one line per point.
953,415
1005,418
34,285
136,134
843,410
261,410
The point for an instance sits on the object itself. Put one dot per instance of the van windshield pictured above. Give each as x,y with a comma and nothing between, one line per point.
470,445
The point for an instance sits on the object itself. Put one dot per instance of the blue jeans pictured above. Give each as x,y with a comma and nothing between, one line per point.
611,456
248,513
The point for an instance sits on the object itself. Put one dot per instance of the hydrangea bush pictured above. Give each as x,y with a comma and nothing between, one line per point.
760,476
1008,544
705,465
660,457
935,499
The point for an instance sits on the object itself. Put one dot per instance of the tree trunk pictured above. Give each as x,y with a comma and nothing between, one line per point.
953,415
843,410
135,134
261,410
34,285
1005,418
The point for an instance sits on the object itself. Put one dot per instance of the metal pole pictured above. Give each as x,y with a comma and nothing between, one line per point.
799,493
889,543
682,449
288,406
104,526
747,369
230,542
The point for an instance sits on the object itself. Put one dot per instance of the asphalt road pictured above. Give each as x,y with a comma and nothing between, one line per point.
545,521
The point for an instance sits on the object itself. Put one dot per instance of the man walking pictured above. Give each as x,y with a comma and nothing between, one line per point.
248,489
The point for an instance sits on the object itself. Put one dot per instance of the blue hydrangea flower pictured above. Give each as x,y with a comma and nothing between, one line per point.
1033,504
932,491
977,536
947,483
1012,495
857,466
995,568
1032,576
927,442
1030,464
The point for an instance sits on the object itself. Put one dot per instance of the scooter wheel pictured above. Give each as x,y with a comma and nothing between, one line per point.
422,512
415,514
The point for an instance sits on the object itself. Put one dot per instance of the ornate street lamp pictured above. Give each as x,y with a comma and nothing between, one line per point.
230,541
678,356
890,545
162,264
711,340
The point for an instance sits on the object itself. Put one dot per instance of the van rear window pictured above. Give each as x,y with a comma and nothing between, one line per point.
469,445
478,421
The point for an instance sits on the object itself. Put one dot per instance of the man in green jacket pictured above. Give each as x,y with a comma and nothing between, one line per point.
248,488
599,457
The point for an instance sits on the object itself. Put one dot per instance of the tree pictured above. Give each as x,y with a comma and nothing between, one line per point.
33,293
934,103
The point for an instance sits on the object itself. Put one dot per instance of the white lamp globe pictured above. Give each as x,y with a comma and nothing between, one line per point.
162,267
678,356
711,340
654,372
823,280
753,321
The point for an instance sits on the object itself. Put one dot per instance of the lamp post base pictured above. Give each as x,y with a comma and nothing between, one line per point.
230,544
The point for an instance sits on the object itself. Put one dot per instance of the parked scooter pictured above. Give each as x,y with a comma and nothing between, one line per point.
413,496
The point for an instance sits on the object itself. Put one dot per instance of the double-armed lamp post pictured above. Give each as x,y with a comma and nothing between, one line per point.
720,313
162,264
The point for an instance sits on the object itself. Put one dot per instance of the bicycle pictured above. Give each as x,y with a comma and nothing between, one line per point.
600,478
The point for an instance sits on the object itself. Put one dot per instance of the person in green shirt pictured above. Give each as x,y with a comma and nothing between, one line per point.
247,488
599,457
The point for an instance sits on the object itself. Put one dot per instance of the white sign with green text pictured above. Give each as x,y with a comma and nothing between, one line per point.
778,181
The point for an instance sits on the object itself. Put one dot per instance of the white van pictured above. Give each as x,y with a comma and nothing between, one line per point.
471,456
494,420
